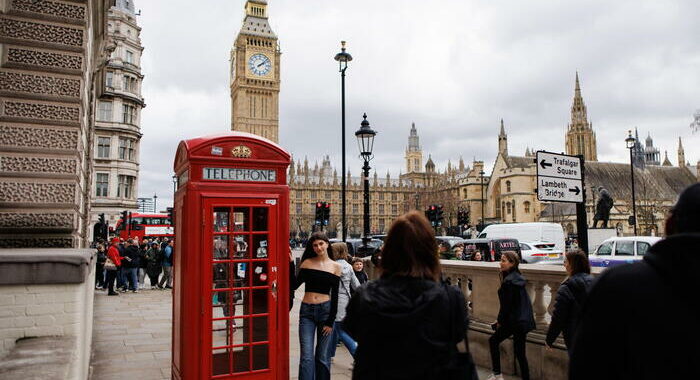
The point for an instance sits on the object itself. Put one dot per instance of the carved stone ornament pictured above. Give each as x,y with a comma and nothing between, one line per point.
241,151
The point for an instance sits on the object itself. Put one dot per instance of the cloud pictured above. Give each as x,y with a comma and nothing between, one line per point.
455,68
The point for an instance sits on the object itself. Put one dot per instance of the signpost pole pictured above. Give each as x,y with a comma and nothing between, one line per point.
581,217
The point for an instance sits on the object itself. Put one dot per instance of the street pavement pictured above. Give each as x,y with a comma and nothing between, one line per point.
132,338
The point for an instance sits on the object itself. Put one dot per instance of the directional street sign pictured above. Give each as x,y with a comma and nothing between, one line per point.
559,177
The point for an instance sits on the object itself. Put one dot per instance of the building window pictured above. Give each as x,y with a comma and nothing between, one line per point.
355,208
102,184
394,209
405,196
129,83
381,225
129,114
355,195
103,145
126,149
126,186
465,193
299,208
381,196
508,208
129,57
394,196
312,194
298,193
381,209
507,186
526,205
104,111
328,195
109,79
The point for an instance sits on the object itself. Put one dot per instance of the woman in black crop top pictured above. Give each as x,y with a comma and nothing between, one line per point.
318,308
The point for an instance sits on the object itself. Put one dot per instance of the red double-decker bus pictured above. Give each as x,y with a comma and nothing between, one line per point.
144,226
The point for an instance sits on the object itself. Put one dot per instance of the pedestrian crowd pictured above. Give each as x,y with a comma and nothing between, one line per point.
123,264
634,321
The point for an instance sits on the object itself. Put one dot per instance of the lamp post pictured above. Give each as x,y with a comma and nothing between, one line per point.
631,142
365,142
174,188
343,58
481,176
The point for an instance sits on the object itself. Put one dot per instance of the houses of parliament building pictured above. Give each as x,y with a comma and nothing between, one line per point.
506,193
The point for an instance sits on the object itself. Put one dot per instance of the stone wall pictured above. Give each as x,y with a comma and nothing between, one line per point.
49,51
48,293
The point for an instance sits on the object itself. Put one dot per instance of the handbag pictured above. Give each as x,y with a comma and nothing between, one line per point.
461,364
109,264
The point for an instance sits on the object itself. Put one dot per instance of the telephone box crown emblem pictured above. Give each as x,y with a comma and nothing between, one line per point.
241,151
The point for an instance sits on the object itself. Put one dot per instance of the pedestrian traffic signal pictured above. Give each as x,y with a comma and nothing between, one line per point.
171,215
318,215
439,215
326,213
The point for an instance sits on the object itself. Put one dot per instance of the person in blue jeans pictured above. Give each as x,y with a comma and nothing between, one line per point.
318,308
348,284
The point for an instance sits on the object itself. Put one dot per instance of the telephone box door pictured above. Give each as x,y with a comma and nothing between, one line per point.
241,281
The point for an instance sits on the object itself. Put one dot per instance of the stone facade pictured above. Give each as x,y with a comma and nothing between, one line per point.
118,119
255,75
580,138
49,52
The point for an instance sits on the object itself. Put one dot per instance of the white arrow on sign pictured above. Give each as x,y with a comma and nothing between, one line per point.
558,165
559,189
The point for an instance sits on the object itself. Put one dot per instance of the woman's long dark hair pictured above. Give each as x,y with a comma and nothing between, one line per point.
309,250
410,249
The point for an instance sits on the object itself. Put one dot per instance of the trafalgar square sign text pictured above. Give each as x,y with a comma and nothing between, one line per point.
559,177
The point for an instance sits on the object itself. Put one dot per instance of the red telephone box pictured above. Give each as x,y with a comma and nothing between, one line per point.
230,296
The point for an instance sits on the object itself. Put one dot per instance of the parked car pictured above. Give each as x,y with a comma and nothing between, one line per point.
540,252
490,249
539,231
354,246
622,250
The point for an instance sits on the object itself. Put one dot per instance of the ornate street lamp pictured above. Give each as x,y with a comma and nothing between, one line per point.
631,142
343,58
365,142
481,176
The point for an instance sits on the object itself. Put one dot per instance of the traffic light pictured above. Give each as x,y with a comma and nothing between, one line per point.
463,216
125,217
171,215
326,213
318,216
431,213
438,215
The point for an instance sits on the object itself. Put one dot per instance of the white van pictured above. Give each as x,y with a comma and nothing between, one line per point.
528,232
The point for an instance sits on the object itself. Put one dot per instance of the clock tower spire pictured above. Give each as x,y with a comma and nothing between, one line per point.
255,75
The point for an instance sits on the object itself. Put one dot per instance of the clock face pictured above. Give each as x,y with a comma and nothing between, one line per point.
259,64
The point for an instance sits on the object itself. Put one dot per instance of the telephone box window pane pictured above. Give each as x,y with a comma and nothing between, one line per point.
221,218
220,305
260,246
220,251
241,359
241,275
260,329
260,357
241,247
260,219
220,362
260,301
240,302
222,275
260,273
221,333
240,331
240,219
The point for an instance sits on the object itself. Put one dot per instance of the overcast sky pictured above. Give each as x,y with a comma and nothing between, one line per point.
455,68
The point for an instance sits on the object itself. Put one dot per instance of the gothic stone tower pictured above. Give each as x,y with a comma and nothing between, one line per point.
255,75
580,138
414,154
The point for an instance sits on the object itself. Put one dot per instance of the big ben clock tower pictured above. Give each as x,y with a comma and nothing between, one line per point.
255,75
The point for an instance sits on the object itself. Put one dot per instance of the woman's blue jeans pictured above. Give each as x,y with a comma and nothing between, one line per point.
339,333
314,364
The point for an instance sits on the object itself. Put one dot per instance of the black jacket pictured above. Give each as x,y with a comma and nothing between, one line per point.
516,308
569,301
132,252
403,328
641,321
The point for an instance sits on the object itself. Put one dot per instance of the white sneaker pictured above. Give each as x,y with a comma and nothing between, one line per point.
495,377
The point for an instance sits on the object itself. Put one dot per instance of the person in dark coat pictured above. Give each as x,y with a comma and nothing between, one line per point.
403,321
515,316
570,297
131,264
641,320
358,268
153,260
